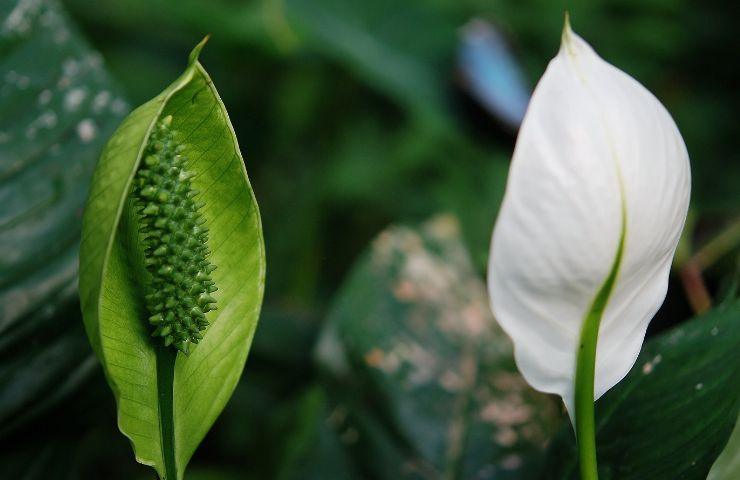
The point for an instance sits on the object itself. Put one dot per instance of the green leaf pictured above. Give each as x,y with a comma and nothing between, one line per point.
313,449
403,49
728,462
41,365
682,395
58,106
167,402
425,377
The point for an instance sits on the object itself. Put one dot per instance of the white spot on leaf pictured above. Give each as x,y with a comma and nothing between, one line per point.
74,98
101,100
506,437
511,462
19,19
650,365
70,67
86,130
45,97
119,106
23,82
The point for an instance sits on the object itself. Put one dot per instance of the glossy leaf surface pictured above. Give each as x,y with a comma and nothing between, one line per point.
672,415
423,377
728,462
58,107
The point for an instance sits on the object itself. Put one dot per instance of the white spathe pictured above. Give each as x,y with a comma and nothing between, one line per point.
594,144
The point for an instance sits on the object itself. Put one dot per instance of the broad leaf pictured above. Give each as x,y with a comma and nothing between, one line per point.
672,415
424,379
728,462
58,107
167,404
74,441
42,364
313,447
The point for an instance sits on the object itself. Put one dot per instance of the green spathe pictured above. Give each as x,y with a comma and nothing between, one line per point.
167,401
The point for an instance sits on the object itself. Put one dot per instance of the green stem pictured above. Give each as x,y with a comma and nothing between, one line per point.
166,357
722,244
586,369
585,425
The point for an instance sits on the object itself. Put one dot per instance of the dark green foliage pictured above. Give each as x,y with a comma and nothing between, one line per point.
425,377
673,414
175,242
48,149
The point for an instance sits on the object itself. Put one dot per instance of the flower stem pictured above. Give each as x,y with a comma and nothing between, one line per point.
585,428
166,357
586,368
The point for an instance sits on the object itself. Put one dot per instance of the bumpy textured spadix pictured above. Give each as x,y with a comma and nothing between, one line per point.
145,268
175,243
598,164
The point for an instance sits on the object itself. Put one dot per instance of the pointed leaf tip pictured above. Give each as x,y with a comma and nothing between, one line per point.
196,51
166,420
567,36
626,165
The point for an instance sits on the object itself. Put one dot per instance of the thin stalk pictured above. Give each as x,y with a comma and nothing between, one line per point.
586,369
585,415
690,268
695,288
166,357
720,245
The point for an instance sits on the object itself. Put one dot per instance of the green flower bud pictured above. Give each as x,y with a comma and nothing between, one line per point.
174,241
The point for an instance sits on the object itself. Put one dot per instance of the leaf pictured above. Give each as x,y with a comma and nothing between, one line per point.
41,364
595,201
313,447
111,274
74,440
424,380
50,459
59,105
672,415
401,49
728,462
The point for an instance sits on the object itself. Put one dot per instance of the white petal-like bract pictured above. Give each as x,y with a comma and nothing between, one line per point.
598,159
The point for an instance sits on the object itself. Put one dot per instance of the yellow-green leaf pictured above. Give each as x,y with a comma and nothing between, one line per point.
167,401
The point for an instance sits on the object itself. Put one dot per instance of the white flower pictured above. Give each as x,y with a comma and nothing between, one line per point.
596,198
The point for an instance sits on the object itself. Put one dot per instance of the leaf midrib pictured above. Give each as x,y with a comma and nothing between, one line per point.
165,366
166,358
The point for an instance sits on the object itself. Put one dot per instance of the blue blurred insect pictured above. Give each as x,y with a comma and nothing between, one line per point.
491,74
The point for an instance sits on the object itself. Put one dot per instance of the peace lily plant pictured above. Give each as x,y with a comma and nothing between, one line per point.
595,202
172,268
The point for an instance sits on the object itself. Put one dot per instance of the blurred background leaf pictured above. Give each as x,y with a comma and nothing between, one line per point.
728,462
59,106
417,364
